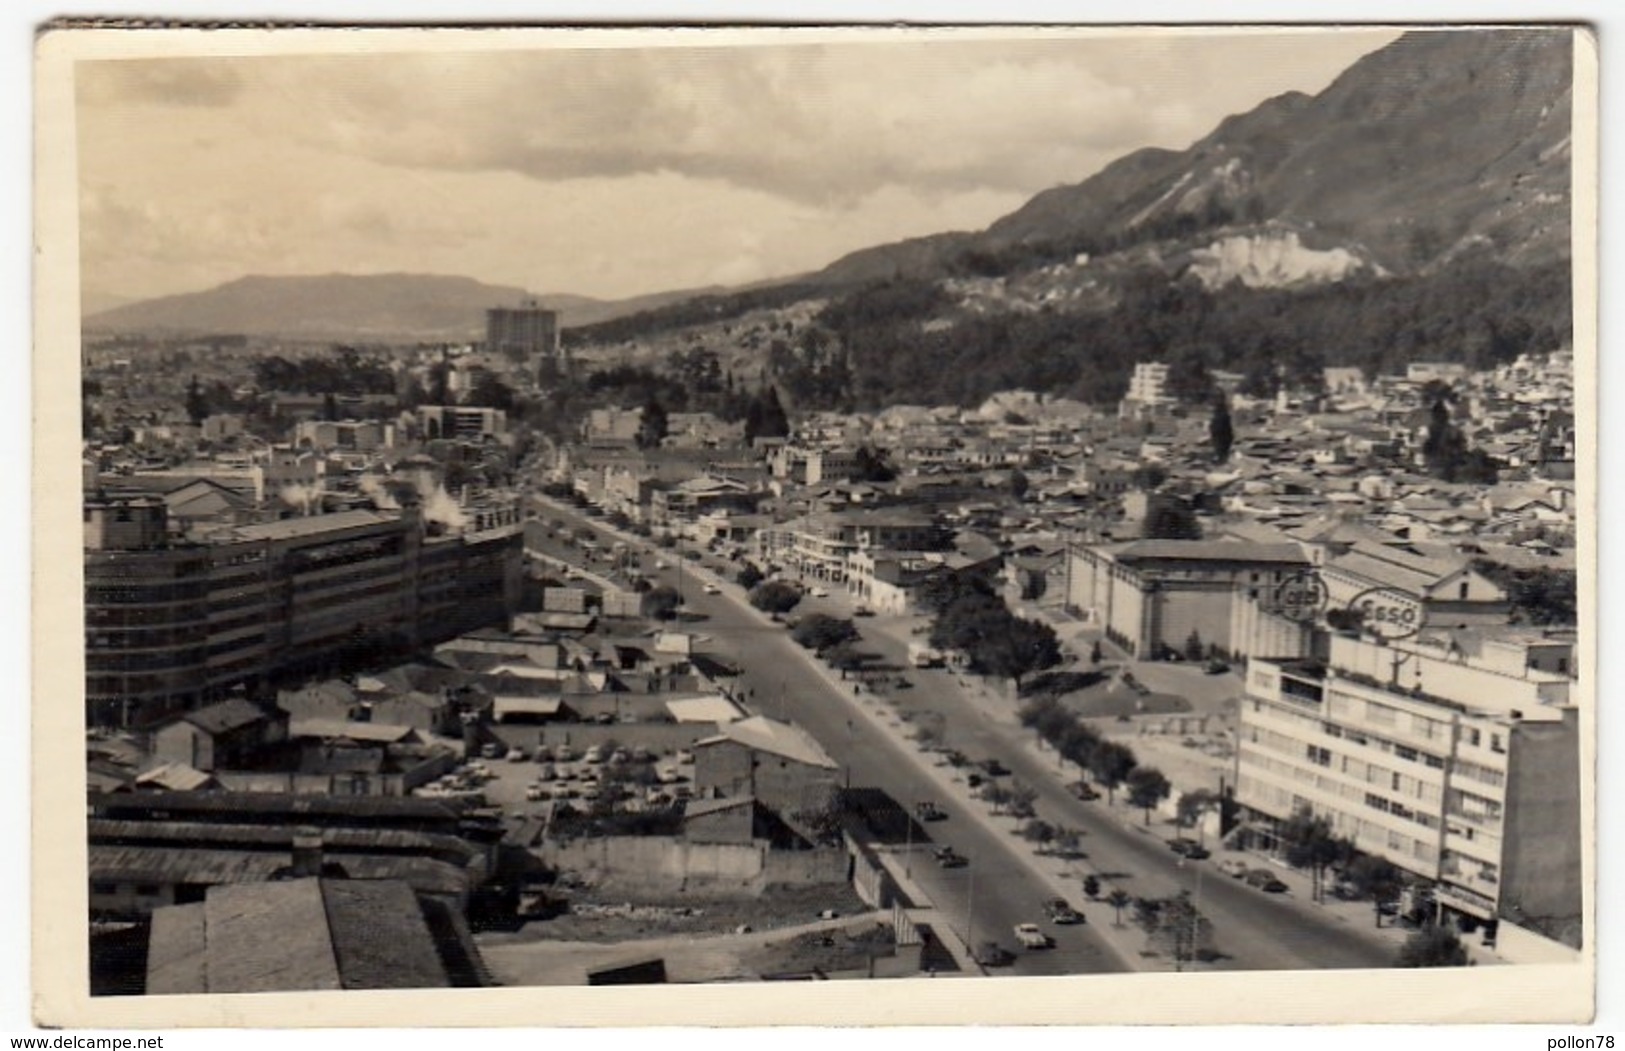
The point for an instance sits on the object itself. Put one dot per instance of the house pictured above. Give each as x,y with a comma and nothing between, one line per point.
220,735
1431,591
308,934
779,764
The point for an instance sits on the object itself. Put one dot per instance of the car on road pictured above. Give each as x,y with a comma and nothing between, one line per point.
928,811
1234,867
711,589
948,857
1083,790
992,954
1031,937
1217,667
819,592
974,780
863,611
1059,911
1266,881
1189,848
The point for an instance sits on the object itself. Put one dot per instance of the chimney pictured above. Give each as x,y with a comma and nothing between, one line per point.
307,852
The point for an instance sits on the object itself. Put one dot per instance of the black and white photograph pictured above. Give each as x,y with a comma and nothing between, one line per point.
928,507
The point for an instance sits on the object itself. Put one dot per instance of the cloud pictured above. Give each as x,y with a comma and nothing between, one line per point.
167,82
828,124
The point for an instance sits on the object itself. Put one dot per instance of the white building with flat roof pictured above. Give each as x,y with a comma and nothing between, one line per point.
1459,766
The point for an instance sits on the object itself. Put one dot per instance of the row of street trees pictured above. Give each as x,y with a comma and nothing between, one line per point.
1112,764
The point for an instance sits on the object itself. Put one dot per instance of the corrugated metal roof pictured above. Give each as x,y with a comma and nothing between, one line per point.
782,739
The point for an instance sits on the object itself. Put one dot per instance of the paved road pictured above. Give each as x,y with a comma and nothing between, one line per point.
1252,929
999,886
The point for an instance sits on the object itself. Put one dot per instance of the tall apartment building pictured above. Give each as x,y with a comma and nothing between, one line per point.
1458,765
528,334
171,625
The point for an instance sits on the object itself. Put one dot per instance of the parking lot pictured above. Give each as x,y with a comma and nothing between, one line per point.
522,781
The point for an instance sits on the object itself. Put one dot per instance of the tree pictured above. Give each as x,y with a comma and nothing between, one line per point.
774,596
748,576
1039,832
1375,878
1091,886
1147,786
1023,646
766,418
1434,945
870,465
1310,844
1110,764
843,658
1221,432
197,406
1196,805
1180,931
1022,798
820,632
660,603
1171,519
1119,900
652,424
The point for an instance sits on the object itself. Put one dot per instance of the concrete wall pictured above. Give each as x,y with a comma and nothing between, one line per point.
1257,633
1203,609
661,865
1541,860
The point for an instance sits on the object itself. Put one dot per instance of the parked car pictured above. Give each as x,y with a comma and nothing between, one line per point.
1234,867
516,755
594,754
535,791
1060,912
949,858
928,811
620,755
1186,847
492,750
546,772
863,611
542,754
819,593
563,753
1031,937
992,954
1217,667
1266,881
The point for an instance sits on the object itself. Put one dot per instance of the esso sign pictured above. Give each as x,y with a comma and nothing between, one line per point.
1388,614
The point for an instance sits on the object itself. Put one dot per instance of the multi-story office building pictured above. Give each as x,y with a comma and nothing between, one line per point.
528,334
1458,764
172,624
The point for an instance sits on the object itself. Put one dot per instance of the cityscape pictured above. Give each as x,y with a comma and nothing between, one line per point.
1176,574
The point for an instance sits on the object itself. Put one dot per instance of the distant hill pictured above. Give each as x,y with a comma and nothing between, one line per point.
415,307
1440,145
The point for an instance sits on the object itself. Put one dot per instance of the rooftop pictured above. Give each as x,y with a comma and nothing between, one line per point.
312,525
306,934
782,739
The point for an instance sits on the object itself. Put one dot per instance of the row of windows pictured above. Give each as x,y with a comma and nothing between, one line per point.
1487,775
143,594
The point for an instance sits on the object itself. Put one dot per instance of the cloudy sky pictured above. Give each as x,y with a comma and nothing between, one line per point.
615,171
